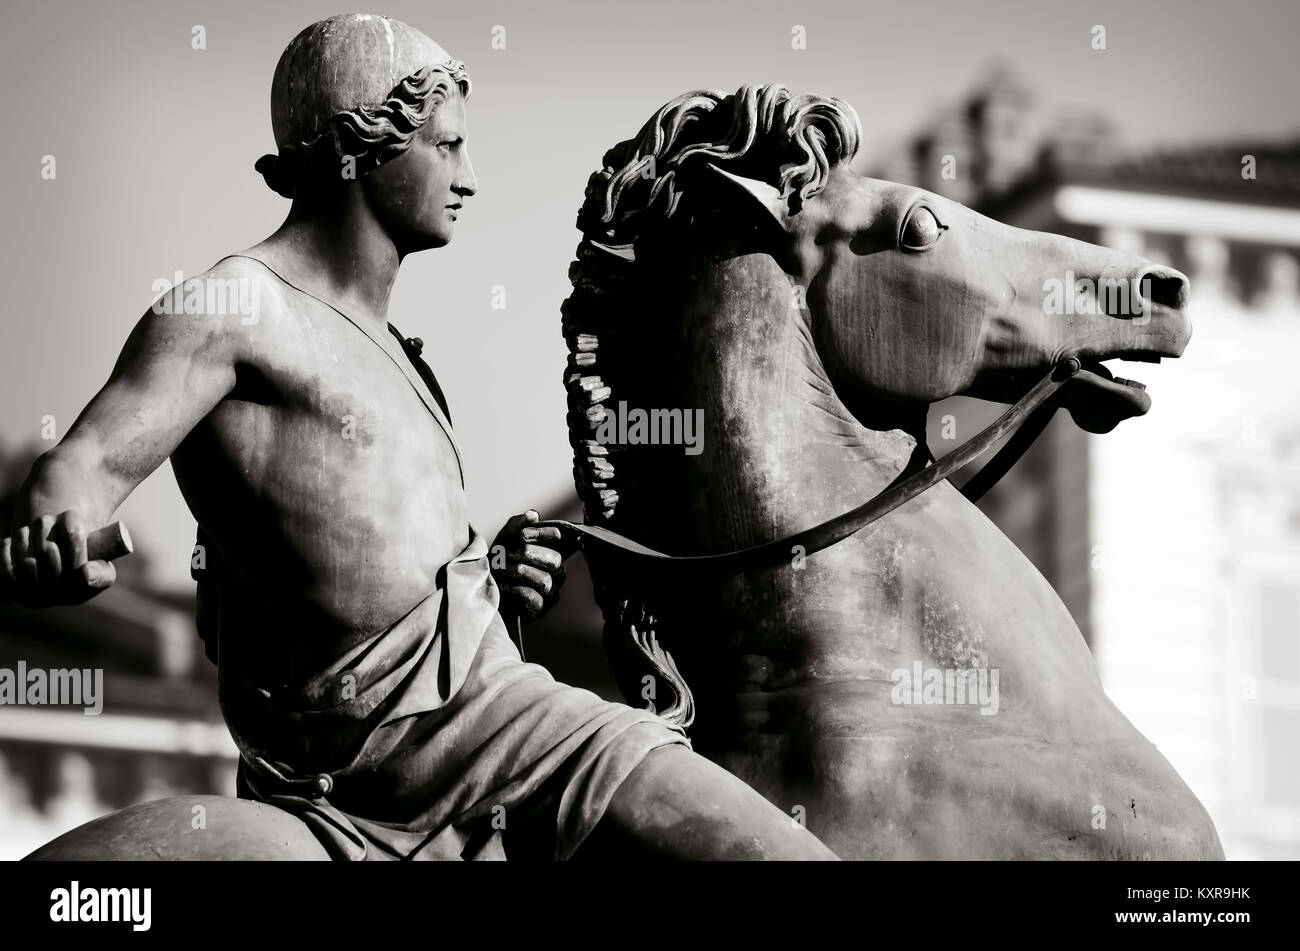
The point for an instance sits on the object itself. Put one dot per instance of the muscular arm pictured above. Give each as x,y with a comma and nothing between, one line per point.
172,371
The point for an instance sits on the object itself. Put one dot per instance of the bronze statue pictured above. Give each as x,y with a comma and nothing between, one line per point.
366,674
916,689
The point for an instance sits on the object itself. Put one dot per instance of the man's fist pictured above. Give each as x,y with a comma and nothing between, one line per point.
528,565
45,563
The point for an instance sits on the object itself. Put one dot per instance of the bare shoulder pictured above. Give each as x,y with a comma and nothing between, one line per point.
224,312
235,287
239,267
180,360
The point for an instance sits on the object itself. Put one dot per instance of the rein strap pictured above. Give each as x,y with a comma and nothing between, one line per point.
1027,418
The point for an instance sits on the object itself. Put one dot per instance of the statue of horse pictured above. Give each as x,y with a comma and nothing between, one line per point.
735,272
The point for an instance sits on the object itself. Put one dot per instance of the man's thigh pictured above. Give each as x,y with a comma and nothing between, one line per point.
678,805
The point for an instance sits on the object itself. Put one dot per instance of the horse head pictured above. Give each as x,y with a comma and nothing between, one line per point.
913,297
696,231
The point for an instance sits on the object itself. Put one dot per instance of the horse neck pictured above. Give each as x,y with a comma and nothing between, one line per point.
781,453
779,450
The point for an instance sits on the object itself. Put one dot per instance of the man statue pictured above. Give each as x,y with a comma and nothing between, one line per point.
365,672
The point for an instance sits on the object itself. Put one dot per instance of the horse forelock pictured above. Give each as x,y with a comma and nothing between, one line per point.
792,142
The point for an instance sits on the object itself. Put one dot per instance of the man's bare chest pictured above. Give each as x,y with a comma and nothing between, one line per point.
327,438
336,376
321,410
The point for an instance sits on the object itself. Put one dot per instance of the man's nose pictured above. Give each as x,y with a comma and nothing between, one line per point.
465,184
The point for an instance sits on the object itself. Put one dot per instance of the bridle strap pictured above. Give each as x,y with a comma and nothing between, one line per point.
1025,420
992,471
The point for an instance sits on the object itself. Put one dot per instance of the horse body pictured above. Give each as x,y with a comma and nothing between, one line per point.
791,667
812,719
188,828
814,347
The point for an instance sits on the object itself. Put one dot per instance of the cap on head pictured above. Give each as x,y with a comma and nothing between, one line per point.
344,63
348,74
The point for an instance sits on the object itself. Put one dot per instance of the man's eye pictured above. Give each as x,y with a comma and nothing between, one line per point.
921,229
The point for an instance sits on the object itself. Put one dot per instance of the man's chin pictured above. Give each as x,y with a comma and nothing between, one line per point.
429,242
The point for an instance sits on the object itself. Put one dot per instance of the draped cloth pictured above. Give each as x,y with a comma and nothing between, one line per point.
434,740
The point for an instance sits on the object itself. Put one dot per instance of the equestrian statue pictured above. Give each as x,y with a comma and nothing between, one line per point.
762,588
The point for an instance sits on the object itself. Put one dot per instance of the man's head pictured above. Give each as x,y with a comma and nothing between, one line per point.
368,102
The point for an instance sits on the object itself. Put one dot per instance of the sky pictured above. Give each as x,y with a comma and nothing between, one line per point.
154,143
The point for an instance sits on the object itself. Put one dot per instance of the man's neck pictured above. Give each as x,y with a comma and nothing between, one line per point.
340,254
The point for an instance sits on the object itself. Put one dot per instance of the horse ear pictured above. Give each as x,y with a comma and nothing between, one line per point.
757,194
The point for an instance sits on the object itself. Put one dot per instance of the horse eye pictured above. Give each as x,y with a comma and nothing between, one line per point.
921,230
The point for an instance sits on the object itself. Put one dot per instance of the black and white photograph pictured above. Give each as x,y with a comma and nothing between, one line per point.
643,432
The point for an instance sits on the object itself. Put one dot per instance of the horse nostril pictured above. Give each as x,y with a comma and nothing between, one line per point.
1164,286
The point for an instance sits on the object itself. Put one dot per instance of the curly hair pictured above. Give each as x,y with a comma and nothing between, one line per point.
370,135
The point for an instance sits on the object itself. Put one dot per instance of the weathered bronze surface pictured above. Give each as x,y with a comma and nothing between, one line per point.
733,263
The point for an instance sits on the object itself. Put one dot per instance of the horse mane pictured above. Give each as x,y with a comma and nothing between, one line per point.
762,132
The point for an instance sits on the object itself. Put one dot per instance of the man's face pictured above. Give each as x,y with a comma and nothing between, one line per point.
418,195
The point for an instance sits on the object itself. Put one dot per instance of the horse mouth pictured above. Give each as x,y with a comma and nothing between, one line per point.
1099,400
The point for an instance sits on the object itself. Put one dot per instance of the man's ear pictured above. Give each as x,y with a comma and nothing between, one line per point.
757,195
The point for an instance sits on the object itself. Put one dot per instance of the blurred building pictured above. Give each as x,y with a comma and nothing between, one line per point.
159,732
1175,539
